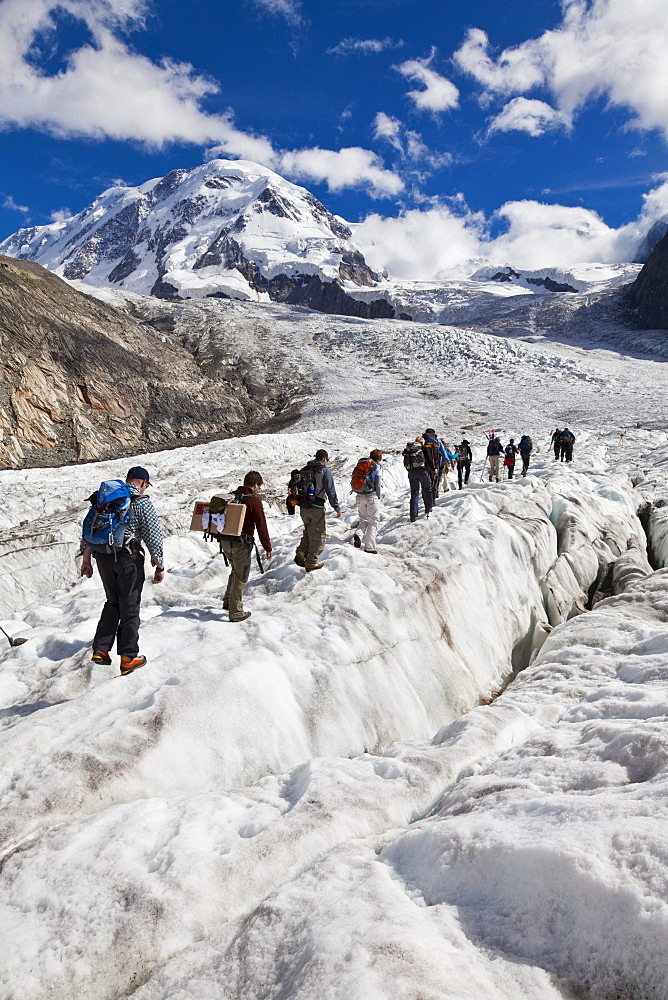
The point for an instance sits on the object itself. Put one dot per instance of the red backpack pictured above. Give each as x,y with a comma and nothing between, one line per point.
362,478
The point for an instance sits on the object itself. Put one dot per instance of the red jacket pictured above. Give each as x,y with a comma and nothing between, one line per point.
254,517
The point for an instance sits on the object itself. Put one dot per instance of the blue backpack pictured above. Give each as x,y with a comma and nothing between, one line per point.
105,523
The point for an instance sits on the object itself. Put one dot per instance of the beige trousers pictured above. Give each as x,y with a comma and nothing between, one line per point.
239,554
314,535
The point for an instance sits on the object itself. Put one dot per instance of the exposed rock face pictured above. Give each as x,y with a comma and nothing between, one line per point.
79,380
654,234
227,229
648,295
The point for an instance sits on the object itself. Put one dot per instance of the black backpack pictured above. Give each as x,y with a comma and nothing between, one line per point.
433,458
413,456
311,486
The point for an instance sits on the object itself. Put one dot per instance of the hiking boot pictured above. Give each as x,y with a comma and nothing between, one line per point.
357,541
314,566
130,663
413,519
240,618
101,656
372,552
300,558
226,604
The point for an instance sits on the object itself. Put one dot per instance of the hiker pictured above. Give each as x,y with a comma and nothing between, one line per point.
365,482
239,550
419,476
129,519
464,459
316,486
567,442
526,447
556,444
511,451
448,465
435,458
494,451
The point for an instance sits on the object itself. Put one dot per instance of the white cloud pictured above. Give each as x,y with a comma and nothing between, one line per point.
8,202
439,94
60,215
420,244
348,167
525,115
106,90
408,143
388,128
604,47
109,91
514,71
289,9
363,46
438,242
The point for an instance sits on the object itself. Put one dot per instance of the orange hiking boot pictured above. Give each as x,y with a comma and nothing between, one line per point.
130,663
101,656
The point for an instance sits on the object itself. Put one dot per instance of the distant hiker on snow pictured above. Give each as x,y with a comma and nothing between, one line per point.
464,459
419,476
239,549
556,443
450,458
511,451
567,442
119,520
366,482
494,452
526,447
316,485
436,457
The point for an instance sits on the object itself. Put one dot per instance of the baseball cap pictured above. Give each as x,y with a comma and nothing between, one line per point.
137,472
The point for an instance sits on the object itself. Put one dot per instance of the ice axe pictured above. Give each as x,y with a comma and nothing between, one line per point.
12,642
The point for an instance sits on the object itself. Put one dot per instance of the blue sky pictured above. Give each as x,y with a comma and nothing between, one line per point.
426,111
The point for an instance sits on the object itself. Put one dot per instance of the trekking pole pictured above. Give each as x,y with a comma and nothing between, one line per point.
484,466
12,642
257,556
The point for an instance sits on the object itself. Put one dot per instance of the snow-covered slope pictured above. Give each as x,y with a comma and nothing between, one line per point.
231,228
156,844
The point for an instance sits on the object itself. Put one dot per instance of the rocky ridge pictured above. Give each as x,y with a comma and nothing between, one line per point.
648,295
81,380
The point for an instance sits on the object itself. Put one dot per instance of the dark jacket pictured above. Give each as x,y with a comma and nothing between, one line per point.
254,517
494,447
327,486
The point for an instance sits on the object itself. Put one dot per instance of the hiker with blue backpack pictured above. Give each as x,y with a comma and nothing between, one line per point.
365,482
120,518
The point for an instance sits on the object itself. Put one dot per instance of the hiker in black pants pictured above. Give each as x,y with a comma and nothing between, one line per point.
567,442
556,443
419,476
464,459
526,447
122,575
509,461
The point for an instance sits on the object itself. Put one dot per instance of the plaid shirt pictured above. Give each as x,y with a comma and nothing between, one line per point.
143,524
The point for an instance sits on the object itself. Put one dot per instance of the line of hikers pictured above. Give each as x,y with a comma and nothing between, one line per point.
121,518
562,442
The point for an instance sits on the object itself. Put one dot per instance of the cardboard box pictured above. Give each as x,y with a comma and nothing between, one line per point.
196,520
235,514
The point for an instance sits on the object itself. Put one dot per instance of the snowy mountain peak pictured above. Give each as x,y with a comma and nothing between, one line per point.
229,228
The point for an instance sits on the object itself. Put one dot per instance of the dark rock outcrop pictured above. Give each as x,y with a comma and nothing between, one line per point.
648,295
329,297
551,285
80,380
